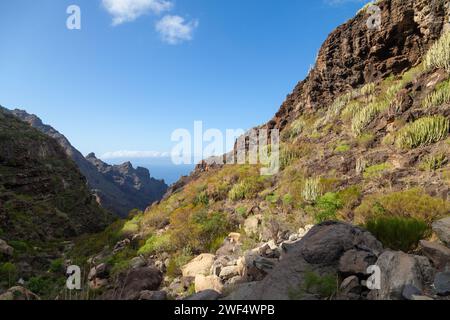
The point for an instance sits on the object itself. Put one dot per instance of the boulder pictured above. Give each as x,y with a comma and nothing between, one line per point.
252,224
356,262
442,229
350,289
438,254
133,282
203,283
5,249
18,293
207,295
153,295
100,271
398,270
137,262
409,291
442,283
319,251
200,265
229,272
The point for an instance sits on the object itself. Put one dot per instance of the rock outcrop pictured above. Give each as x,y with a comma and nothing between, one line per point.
119,189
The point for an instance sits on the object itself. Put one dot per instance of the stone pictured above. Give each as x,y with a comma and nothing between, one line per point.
137,262
229,272
350,289
97,283
356,262
442,283
5,249
252,225
206,295
153,295
438,254
100,271
399,269
18,293
134,281
203,283
409,291
442,229
200,265
265,264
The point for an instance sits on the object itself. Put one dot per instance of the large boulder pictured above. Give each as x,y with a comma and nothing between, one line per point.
18,293
356,262
438,254
442,230
319,251
398,270
200,265
442,283
5,249
133,282
203,283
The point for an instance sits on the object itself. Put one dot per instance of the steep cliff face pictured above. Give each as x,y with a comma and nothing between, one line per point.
43,196
353,54
119,189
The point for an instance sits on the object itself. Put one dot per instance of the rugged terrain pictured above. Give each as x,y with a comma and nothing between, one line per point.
119,189
364,182
44,200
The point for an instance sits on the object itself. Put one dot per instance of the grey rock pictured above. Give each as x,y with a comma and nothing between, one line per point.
153,295
409,291
438,254
442,283
442,230
5,249
137,262
356,262
206,295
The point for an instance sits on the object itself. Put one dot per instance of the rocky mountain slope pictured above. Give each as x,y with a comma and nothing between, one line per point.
44,200
119,189
364,182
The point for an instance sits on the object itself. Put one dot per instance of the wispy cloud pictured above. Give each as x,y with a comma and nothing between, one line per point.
134,154
175,29
129,10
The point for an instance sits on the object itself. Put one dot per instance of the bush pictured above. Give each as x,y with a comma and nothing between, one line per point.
433,162
247,189
201,199
398,233
366,115
311,190
342,148
325,286
413,203
376,170
439,54
40,285
440,96
328,206
8,273
156,244
424,131
211,229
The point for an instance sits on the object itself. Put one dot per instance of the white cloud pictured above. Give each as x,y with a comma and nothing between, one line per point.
129,10
134,154
175,29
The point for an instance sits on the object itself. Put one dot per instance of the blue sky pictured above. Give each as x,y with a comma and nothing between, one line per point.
134,74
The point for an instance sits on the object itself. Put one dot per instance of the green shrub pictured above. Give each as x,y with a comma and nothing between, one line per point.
156,244
325,286
440,96
288,155
413,203
376,170
327,206
366,115
439,54
57,265
287,199
424,131
311,190
41,286
342,148
272,198
247,189
177,261
398,233
201,199
295,129
8,273
242,211
433,162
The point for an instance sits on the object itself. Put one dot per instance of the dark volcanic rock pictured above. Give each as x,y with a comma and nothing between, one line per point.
119,189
